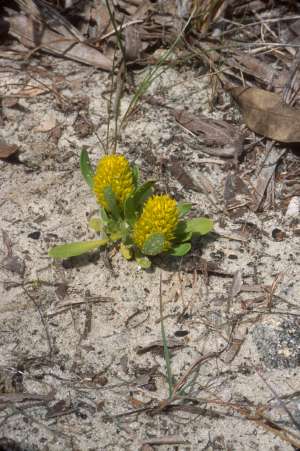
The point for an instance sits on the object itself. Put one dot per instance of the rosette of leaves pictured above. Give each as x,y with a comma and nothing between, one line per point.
143,224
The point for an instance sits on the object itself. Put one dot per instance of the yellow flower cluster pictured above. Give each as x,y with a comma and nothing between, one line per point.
160,215
114,171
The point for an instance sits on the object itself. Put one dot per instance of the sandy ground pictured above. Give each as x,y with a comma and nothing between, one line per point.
81,340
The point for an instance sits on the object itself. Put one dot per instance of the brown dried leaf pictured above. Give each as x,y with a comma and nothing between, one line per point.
14,264
195,262
6,150
234,188
267,172
213,132
47,124
266,114
200,185
207,12
32,91
133,43
45,13
237,283
176,169
158,346
233,350
36,35
235,343
60,408
23,397
136,403
261,71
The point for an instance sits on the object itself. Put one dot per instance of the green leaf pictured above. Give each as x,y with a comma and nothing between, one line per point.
131,210
180,250
154,244
115,235
111,201
134,203
200,226
103,215
143,192
112,228
184,208
143,261
136,175
96,224
125,232
86,168
126,251
75,249
181,233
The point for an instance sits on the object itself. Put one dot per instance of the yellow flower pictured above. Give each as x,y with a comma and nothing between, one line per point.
160,215
114,171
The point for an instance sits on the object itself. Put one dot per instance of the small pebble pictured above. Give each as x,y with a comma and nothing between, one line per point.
34,235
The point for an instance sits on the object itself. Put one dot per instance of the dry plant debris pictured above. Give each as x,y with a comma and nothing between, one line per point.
266,114
197,354
6,150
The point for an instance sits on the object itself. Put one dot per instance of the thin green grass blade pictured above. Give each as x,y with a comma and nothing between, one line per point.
153,74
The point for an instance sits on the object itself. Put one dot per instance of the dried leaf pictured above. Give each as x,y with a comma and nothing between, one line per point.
47,124
235,343
32,91
237,283
195,262
213,132
23,397
157,346
234,187
293,209
176,169
10,262
60,408
44,12
260,70
133,43
200,184
34,34
266,114
208,12
233,350
266,174
14,264
136,403
6,150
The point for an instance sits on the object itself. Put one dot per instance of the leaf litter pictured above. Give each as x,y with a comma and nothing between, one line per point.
266,114
212,300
